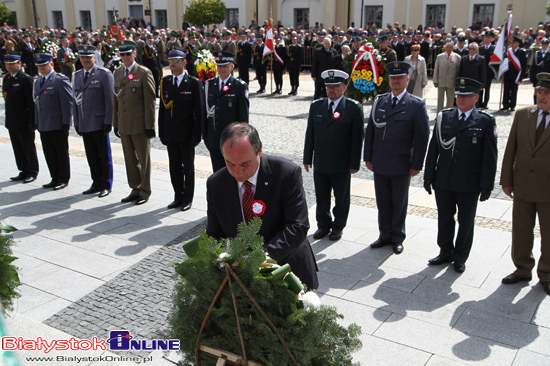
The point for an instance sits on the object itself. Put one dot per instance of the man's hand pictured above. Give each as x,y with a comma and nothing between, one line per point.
65,129
117,134
106,129
150,133
508,190
368,164
353,171
428,185
485,194
413,172
307,167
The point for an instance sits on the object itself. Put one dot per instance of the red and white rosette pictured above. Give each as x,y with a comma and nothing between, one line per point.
130,76
258,207
225,88
336,115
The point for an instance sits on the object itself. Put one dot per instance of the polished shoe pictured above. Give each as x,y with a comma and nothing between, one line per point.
276,91
104,193
459,267
174,204
379,244
49,185
335,235
397,248
130,198
439,260
291,92
546,286
21,176
280,91
260,91
60,186
91,190
512,278
503,109
140,200
512,109
29,179
186,206
320,233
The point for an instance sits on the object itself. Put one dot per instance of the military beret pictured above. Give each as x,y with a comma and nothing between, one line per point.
173,33
383,38
466,86
334,77
356,39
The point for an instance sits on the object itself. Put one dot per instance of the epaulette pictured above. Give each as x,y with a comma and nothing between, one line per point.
102,69
354,102
415,97
166,77
318,100
193,78
486,113
77,71
447,110
240,81
381,95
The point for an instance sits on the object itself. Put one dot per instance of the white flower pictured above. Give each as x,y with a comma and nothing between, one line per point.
311,301
378,58
223,257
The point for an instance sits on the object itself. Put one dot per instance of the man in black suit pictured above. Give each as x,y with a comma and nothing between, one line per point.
323,59
517,69
265,186
226,102
333,142
27,56
278,61
259,63
473,66
486,50
181,113
244,55
64,50
398,47
295,54
541,63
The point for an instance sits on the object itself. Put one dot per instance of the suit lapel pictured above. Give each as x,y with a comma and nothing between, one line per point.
532,122
264,182
399,107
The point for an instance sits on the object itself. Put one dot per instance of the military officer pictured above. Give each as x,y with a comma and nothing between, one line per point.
278,61
173,42
190,50
17,92
93,118
541,63
460,167
158,43
227,44
226,102
53,106
333,142
134,120
150,59
259,63
515,74
486,50
294,54
396,139
244,55
181,115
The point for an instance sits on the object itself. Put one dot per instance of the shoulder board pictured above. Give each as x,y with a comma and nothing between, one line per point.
167,77
320,100
194,78
5,75
240,81
61,76
415,97
381,95
447,110
349,100
487,114
78,71
299,45
101,69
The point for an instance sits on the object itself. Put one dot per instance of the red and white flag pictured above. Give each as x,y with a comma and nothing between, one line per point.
500,55
268,44
114,28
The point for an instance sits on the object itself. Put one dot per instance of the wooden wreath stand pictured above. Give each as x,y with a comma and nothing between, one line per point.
224,356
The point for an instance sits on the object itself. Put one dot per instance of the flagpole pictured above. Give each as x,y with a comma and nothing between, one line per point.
500,99
271,67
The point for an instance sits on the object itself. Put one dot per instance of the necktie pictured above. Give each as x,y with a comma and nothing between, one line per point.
248,197
42,80
125,72
330,108
394,102
86,75
540,129
462,119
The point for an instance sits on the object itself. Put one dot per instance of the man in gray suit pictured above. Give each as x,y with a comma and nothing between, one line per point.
53,100
396,139
93,118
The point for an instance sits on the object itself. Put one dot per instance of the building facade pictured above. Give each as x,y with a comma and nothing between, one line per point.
93,14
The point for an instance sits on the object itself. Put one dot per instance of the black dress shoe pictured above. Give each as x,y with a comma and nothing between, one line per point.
140,200
104,193
186,206
459,267
321,233
60,186
174,204
91,190
397,248
335,235
280,91
49,185
512,278
21,176
130,198
546,286
379,244
439,260
29,179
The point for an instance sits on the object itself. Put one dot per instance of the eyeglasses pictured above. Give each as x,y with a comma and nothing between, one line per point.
175,61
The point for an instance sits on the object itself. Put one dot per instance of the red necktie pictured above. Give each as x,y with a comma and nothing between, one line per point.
248,197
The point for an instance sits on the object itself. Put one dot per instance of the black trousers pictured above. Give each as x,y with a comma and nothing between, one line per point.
294,75
447,204
278,76
320,91
98,154
56,151
510,94
182,170
261,75
392,198
24,150
485,93
325,183
217,159
243,73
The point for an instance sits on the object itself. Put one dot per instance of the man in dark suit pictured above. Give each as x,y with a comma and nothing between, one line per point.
541,63
295,53
265,186
17,92
396,139
278,60
524,178
93,118
486,50
64,50
53,107
398,47
226,102
460,166
181,115
150,59
473,66
323,59
517,69
333,142
259,63
27,55
244,55
190,49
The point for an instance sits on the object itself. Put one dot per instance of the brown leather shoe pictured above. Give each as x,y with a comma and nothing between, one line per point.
512,278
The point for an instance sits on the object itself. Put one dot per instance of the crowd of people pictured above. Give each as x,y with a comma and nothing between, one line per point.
461,156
